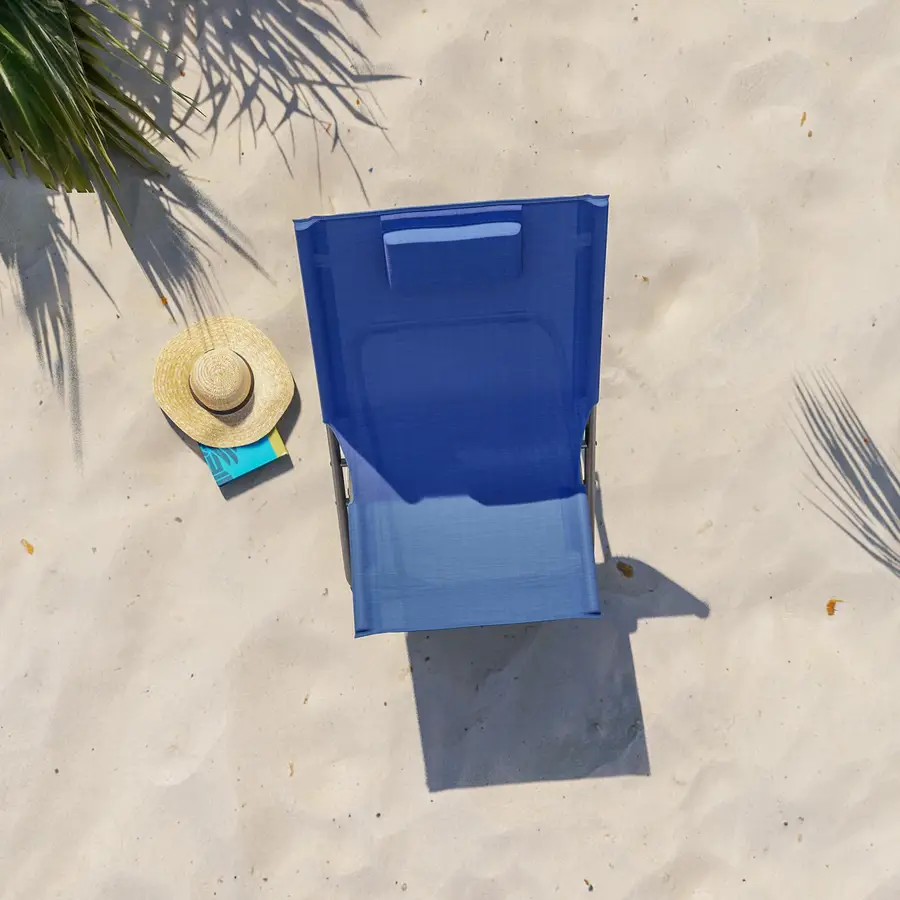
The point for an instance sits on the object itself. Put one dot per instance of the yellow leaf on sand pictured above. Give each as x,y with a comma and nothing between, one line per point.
803,120
831,605
27,546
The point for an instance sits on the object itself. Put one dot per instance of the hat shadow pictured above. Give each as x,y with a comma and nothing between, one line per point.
280,466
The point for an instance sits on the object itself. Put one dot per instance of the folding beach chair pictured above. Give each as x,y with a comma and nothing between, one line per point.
457,351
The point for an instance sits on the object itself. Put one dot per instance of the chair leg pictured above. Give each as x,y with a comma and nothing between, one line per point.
588,449
340,498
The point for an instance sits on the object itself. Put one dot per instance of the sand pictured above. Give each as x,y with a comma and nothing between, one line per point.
184,712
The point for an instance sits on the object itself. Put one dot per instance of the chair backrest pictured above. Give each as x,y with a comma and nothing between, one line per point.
457,348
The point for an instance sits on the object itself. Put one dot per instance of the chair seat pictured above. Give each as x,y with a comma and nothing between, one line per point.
451,562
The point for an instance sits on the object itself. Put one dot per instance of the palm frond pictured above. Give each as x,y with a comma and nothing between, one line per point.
62,108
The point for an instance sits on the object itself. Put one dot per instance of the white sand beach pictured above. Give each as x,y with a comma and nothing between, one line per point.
184,712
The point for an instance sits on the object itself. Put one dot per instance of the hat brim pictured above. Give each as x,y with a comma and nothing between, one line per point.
273,384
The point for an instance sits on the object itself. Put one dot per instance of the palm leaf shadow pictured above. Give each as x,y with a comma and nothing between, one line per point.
175,233
36,245
278,59
262,64
857,488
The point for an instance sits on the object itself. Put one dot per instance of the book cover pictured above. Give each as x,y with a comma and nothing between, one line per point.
228,463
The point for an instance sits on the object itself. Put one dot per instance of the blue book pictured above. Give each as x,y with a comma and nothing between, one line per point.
228,463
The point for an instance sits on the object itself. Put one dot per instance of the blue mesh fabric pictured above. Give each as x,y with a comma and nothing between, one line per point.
457,352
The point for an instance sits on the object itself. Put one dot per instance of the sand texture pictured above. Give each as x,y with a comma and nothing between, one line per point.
184,712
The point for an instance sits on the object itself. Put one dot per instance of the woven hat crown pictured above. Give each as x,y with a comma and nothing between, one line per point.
221,380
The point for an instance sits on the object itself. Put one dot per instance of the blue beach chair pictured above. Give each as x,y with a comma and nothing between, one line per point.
457,351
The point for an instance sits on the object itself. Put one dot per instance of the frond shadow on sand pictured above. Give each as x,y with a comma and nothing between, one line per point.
174,234
37,243
263,66
856,487
269,62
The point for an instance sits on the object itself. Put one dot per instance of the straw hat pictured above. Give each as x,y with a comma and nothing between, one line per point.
222,382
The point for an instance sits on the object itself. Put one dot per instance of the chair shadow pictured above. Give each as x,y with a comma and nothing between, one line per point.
858,489
542,702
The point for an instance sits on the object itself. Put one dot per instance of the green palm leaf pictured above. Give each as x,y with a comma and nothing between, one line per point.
62,109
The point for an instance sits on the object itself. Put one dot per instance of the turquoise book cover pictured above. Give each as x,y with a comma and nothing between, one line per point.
228,463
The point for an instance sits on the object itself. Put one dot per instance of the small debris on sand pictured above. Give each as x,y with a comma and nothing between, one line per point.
626,569
831,605
28,546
